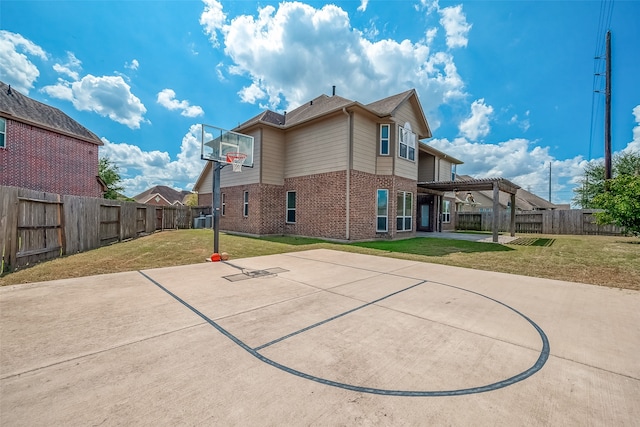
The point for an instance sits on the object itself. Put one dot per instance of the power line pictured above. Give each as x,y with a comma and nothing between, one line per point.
604,24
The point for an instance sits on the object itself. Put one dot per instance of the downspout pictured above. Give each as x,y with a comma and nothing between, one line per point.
349,165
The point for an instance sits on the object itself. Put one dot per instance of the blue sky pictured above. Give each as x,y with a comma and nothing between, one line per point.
507,86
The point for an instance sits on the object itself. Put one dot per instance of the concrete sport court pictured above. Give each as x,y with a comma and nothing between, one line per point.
318,338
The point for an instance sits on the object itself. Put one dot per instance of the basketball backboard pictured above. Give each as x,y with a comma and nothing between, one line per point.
221,145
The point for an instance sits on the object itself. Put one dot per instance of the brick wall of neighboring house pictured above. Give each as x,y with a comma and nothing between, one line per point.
43,160
161,201
320,205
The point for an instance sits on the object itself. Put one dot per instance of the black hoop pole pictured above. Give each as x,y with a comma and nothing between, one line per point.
215,205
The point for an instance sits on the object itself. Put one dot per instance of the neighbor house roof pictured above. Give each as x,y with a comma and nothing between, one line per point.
169,194
18,107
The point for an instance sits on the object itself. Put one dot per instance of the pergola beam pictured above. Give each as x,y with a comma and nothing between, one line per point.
494,184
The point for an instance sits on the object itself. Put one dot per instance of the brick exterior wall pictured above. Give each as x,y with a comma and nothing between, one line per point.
43,160
320,206
364,189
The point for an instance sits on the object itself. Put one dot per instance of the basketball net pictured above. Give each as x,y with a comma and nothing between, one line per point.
236,160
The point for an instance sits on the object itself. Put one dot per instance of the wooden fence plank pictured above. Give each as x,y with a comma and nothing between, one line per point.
574,221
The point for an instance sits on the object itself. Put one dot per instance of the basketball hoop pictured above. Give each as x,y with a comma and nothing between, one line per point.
236,160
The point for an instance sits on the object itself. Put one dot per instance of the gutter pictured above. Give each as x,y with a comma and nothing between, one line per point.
349,165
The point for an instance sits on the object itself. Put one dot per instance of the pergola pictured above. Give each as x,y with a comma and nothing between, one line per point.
495,184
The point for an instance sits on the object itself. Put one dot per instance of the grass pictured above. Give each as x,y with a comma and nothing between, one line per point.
598,260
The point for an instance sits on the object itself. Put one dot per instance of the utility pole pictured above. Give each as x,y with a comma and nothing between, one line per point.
549,182
607,110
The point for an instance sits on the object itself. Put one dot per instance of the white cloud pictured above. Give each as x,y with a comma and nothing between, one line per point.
133,65
634,145
455,26
166,98
431,35
363,5
71,68
109,96
523,124
519,161
15,63
296,51
212,19
477,124
141,170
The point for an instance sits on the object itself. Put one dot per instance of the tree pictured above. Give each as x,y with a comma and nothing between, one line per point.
110,175
191,200
593,183
621,203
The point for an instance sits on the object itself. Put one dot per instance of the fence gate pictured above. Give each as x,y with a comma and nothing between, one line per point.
40,233
141,220
109,224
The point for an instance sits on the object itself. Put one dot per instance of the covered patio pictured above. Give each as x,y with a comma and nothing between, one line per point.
486,184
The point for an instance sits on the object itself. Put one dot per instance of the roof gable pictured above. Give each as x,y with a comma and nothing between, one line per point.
14,105
169,194
324,105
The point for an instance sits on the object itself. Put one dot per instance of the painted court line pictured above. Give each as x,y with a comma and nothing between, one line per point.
543,357
337,316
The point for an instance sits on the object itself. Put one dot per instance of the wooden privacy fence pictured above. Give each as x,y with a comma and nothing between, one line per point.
573,221
37,226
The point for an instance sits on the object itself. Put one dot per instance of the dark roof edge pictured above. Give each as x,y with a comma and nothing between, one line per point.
96,141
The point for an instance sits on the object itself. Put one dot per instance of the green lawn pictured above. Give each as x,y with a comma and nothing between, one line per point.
598,260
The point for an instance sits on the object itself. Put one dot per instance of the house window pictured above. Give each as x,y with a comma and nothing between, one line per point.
453,172
245,204
223,202
3,132
404,218
446,211
291,207
384,140
383,211
407,142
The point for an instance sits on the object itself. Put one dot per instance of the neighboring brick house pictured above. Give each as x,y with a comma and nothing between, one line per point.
161,195
336,169
41,148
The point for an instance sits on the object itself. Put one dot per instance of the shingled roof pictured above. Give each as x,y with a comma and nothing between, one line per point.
169,194
323,105
387,106
15,106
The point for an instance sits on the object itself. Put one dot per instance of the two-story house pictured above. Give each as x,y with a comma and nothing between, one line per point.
336,169
41,148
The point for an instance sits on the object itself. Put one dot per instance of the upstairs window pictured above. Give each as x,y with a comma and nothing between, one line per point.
384,140
406,142
3,132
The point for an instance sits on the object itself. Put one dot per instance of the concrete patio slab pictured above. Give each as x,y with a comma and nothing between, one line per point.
333,338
